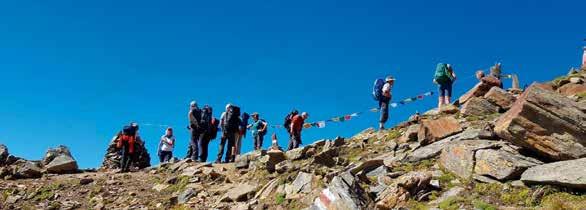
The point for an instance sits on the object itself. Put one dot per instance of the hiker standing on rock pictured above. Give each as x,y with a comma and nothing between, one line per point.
241,134
259,130
126,140
229,121
166,146
382,93
194,117
444,77
296,128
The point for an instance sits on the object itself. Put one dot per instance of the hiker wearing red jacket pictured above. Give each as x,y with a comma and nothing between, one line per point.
296,128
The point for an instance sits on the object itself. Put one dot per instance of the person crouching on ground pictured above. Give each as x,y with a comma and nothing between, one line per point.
166,146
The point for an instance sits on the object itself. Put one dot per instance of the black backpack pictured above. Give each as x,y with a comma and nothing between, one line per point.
206,118
196,113
232,119
129,130
289,118
213,131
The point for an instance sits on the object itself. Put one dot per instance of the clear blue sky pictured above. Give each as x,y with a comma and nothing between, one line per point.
73,72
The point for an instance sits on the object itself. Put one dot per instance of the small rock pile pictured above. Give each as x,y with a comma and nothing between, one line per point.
56,161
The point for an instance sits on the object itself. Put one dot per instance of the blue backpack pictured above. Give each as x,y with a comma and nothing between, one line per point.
377,89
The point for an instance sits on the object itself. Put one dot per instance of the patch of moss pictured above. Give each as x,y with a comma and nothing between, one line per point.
446,179
280,199
488,189
416,205
46,192
453,203
393,134
563,200
179,185
520,197
179,207
481,205
419,166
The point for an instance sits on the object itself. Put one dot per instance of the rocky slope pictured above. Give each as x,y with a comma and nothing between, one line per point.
500,150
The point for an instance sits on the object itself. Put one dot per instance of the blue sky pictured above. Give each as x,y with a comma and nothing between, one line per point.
73,72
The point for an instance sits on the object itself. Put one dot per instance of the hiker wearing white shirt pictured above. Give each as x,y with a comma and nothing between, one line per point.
166,146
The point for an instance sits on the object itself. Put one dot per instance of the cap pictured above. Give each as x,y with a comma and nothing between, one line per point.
254,114
193,103
390,78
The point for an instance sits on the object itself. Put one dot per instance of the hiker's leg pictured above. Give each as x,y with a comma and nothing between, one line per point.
194,146
123,156
256,142
204,150
260,141
384,112
230,147
291,140
161,156
448,93
188,155
221,148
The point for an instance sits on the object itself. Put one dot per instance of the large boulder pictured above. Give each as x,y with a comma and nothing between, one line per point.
458,158
500,97
408,186
547,123
62,164
275,157
502,164
572,89
240,193
343,193
571,173
3,154
479,106
433,130
24,169
480,89
410,134
53,153
59,161
302,184
141,159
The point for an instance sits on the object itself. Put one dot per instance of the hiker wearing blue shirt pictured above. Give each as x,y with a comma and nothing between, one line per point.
258,129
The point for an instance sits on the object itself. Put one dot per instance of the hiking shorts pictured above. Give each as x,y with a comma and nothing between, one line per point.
445,89
384,110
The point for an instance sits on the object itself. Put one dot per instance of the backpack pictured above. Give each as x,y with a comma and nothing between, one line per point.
232,118
196,113
206,118
213,131
128,131
442,74
289,118
244,123
377,89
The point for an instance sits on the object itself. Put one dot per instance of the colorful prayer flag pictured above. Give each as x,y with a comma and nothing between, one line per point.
354,114
347,117
321,124
394,105
374,110
307,125
335,119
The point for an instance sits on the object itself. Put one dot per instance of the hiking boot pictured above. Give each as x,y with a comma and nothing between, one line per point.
218,162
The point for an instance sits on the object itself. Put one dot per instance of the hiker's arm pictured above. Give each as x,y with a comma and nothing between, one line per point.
454,75
264,127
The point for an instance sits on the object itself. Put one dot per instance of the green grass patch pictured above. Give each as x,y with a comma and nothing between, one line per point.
179,185
481,205
393,134
446,179
453,203
280,199
416,205
563,201
46,192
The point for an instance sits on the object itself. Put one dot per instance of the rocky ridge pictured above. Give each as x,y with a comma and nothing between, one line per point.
502,150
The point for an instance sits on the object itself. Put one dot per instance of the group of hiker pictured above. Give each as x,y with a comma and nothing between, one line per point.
203,127
234,125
